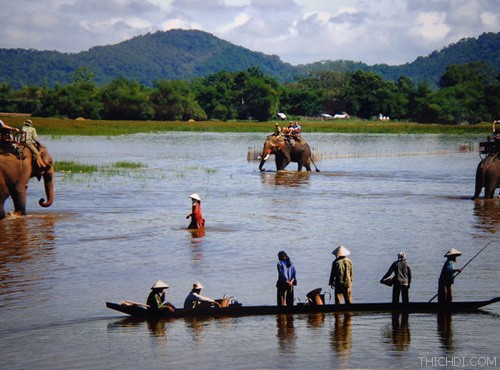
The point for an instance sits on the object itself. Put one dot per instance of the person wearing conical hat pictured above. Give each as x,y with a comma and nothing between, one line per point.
156,299
197,220
341,275
196,300
447,277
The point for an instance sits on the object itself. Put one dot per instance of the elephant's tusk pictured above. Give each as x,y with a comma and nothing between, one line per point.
266,157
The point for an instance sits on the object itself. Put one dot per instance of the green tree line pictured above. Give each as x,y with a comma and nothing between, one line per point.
466,93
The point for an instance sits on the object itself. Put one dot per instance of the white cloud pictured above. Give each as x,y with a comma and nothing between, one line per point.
299,31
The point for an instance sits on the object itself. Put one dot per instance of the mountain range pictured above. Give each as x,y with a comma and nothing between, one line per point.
188,54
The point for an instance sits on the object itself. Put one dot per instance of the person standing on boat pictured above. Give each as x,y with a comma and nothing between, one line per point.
401,280
287,278
341,275
447,277
156,299
197,220
195,299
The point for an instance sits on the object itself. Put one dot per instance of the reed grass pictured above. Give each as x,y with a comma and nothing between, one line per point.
56,127
75,167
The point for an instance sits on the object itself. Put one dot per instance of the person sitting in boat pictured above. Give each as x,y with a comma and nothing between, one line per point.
341,275
197,220
447,277
401,279
196,300
156,299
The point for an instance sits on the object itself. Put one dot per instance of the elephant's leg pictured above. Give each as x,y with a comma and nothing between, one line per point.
19,198
2,209
479,181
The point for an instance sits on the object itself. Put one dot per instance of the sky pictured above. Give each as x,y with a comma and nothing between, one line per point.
393,32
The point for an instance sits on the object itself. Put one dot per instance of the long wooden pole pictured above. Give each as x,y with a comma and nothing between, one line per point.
477,254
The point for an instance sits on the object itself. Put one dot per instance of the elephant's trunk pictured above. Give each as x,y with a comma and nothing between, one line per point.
264,157
48,182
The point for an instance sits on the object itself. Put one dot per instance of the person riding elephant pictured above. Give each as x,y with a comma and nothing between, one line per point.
30,139
488,176
285,153
15,174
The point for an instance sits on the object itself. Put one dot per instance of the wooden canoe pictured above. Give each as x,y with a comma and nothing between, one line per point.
240,310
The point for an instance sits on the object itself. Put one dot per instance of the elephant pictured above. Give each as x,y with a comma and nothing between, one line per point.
488,176
15,173
286,152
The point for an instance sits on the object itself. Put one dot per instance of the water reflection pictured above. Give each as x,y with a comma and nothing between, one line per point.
487,213
399,333
340,336
286,178
315,320
26,245
445,330
286,333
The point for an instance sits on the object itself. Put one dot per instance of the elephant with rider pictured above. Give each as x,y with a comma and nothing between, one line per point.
488,176
286,151
16,171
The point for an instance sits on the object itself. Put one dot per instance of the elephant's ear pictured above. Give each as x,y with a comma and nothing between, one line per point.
280,144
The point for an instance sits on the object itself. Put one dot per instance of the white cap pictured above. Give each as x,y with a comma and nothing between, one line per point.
197,285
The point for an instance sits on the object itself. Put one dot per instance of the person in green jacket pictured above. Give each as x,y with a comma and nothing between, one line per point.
341,275
156,299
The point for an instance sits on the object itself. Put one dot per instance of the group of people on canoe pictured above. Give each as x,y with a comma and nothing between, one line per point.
341,277
157,298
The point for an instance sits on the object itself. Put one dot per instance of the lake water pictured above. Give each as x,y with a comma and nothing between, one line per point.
109,236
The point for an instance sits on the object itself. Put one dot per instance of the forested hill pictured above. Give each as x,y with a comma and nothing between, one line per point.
182,54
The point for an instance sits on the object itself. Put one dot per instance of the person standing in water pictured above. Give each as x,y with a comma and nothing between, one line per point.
197,220
287,278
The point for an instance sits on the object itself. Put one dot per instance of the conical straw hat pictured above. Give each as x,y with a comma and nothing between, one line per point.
341,251
195,196
160,285
453,252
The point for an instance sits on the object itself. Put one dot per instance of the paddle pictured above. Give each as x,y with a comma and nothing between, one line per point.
482,249
129,303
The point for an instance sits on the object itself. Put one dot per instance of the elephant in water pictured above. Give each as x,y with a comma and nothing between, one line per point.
488,176
286,152
15,174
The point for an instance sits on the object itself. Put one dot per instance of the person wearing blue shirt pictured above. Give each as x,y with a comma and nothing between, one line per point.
447,277
287,278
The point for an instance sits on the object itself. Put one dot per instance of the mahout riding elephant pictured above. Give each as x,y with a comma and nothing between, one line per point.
286,152
15,174
488,176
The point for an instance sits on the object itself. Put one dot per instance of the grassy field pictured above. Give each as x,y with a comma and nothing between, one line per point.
60,127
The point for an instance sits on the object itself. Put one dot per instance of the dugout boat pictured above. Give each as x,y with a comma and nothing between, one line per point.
234,310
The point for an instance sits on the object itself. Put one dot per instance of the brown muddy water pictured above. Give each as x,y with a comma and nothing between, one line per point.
109,236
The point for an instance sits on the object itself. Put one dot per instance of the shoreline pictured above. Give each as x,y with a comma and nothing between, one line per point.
82,127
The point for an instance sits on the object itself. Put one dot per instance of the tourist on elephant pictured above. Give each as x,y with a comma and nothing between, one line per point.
30,138
197,220
287,278
401,280
341,275
6,137
195,299
156,299
447,277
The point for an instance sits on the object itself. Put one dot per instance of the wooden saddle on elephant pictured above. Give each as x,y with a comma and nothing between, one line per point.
11,147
